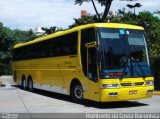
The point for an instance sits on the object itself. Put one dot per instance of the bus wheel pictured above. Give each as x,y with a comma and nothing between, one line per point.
30,85
77,93
24,83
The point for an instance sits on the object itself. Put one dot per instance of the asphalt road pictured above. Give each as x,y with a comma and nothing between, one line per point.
15,100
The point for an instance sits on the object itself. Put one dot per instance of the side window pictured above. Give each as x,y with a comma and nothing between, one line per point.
87,35
73,43
23,54
54,47
68,44
36,51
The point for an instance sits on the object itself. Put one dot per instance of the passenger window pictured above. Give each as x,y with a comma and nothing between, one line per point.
54,47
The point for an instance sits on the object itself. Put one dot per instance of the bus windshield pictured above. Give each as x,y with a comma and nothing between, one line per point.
123,53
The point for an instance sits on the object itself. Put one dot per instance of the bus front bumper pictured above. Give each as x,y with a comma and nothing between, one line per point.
124,94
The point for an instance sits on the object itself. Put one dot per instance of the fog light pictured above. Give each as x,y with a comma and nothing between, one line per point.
149,91
149,83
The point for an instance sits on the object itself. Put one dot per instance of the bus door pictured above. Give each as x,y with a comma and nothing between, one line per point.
93,82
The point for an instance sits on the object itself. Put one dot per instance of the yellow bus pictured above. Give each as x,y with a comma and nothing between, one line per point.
102,62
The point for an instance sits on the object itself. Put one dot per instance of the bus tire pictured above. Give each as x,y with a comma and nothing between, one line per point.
30,84
77,92
24,83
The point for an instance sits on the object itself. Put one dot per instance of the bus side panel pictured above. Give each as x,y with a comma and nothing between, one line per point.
68,69
20,70
49,72
42,71
47,76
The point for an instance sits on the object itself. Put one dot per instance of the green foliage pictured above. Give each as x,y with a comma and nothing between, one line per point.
5,38
51,29
157,12
8,38
5,69
23,36
6,42
59,29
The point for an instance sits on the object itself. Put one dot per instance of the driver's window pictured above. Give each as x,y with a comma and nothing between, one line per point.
92,64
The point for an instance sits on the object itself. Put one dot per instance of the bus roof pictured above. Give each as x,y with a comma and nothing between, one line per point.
106,25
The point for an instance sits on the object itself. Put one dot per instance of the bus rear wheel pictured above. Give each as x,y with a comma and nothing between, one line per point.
77,93
30,85
24,84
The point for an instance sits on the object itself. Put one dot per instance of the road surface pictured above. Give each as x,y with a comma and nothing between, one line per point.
15,100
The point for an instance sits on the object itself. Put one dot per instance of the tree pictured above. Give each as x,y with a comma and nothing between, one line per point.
21,36
8,38
157,12
49,30
106,3
6,43
52,29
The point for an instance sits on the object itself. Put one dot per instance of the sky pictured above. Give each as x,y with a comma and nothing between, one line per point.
29,14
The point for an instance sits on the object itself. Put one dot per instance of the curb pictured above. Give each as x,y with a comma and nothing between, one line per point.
156,93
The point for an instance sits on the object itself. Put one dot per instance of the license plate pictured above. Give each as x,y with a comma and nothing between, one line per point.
133,92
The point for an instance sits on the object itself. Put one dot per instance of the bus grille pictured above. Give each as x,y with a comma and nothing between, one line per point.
126,84
139,83
130,84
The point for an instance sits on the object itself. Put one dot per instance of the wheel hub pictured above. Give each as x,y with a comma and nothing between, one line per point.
78,92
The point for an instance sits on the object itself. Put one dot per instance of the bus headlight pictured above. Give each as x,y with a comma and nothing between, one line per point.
110,86
149,83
